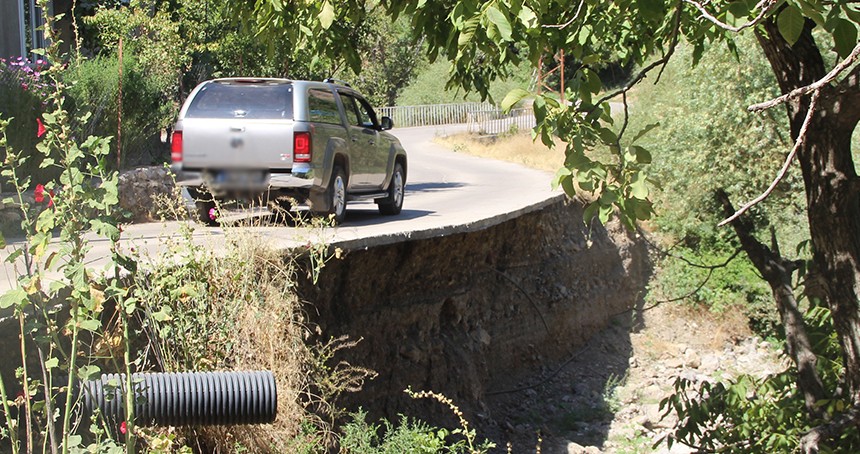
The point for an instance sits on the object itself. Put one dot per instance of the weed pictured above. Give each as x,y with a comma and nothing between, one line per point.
468,443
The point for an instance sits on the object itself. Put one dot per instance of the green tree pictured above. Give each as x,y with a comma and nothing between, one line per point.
484,38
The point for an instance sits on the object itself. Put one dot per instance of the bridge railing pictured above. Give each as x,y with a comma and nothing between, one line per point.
433,114
482,118
496,121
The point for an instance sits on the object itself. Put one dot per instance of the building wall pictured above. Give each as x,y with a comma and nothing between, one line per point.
10,39
10,31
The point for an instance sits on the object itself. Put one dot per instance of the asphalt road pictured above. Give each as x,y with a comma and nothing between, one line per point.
446,193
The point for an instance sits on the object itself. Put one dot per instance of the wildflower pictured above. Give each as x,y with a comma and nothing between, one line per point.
40,131
212,214
25,86
123,428
39,193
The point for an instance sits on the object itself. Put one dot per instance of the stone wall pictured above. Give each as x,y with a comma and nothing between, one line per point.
469,313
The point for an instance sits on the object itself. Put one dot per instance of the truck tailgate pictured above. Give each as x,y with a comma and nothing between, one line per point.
237,143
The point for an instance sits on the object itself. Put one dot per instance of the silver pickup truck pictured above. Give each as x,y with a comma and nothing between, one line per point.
284,140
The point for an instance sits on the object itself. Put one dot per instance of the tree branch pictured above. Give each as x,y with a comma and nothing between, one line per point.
815,86
765,5
572,20
809,442
644,72
777,271
801,138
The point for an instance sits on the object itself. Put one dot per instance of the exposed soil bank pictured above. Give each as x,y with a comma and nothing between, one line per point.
472,313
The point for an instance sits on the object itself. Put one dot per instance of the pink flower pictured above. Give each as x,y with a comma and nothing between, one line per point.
40,130
25,86
39,193
123,428
212,214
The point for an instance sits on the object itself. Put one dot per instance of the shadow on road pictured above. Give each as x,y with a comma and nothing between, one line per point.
433,187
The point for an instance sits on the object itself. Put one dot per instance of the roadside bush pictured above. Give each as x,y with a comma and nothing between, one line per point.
762,415
22,91
146,108
361,437
707,140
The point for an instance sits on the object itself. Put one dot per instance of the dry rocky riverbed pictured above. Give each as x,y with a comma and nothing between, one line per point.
606,398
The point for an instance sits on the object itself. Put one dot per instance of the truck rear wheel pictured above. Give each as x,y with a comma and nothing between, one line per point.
335,194
393,204
205,209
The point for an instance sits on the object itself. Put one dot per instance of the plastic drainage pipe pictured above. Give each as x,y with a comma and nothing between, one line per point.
186,398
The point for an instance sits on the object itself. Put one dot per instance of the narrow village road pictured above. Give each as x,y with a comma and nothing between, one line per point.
446,193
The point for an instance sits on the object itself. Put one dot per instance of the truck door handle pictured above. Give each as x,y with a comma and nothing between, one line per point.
237,128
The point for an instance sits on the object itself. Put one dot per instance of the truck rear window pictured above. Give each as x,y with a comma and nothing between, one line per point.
243,100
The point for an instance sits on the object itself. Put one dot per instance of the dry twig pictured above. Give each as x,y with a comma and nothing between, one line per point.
801,138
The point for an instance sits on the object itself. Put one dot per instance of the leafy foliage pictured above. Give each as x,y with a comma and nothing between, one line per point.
760,415
361,437
147,108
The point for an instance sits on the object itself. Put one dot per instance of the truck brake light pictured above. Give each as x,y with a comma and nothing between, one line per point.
176,147
302,147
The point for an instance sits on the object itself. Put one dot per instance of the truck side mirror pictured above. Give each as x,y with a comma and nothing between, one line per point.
387,123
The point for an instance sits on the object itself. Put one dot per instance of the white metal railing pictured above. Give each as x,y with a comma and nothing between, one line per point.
496,121
481,118
432,114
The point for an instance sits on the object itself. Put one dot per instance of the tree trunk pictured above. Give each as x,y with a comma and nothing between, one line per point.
777,272
831,184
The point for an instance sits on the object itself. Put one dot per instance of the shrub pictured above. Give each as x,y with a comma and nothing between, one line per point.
707,140
146,108
22,91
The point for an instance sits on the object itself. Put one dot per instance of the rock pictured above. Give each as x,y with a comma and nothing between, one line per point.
575,448
633,362
140,190
691,359
674,363
653,418
710,363
484,336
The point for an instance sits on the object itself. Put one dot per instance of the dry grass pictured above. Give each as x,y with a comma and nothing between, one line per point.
518,148
239,311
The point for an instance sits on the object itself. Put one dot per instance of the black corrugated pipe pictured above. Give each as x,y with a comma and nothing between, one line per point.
186,398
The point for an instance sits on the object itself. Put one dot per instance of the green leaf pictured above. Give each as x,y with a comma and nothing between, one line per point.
89,372
500,21
638,188
326,15
592,82
644,131
567,186
90,325
52,363
605,212
739,9
607,136
16,296
590,211
643,156
845,37
74,441
162,315
790,23
527,17
513,97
